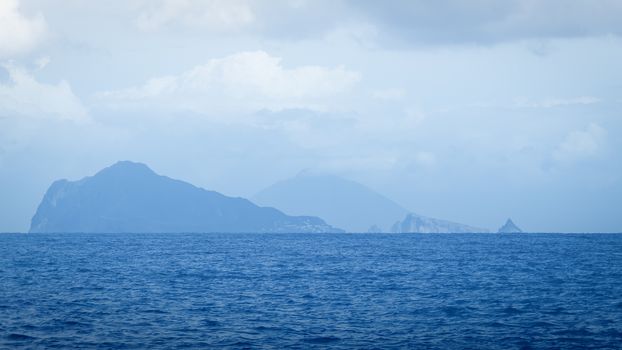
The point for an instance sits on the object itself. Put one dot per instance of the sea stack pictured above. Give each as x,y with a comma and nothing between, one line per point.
509,227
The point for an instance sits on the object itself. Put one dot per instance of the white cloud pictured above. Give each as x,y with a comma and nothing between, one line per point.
246,81
219,15
23,95
556,102
42,62
361,34
425,159
18,33
393,94
581,144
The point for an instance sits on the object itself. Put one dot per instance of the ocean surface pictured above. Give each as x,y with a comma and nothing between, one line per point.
341,291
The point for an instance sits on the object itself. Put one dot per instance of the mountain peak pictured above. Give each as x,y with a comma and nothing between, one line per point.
509,227
126,167
130,197
129,165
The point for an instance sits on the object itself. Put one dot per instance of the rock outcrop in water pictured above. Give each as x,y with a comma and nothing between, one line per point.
414,223
509,227
130,197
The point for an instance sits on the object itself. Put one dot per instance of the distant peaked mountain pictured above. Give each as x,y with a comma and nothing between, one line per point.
349,205
130,197
414,223
509,227
342,203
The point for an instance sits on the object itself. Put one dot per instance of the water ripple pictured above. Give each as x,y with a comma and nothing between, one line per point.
135,291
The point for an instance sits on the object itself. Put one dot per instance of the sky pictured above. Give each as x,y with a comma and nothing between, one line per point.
471,111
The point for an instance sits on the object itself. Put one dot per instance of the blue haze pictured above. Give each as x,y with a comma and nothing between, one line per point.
471,112
341,202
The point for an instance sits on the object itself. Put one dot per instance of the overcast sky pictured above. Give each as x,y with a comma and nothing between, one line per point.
472,111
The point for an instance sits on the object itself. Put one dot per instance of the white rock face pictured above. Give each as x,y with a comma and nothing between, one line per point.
414,223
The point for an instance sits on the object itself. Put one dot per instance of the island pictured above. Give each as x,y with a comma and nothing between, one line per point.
350,205
414,223
130,197
509,227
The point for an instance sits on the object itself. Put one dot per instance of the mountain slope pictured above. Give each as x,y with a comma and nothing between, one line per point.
349,205
130,197
342,203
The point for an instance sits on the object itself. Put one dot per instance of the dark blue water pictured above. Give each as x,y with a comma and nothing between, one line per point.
310,291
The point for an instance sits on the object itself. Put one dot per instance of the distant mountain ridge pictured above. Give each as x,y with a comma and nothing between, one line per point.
341,202
130,197
349,205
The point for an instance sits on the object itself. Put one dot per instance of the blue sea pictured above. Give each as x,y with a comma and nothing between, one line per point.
305,291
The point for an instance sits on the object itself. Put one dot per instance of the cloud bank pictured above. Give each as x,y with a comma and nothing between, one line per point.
218,15
244,82
23,96
18,33
490,21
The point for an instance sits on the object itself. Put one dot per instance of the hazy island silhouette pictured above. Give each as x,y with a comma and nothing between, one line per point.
130,197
